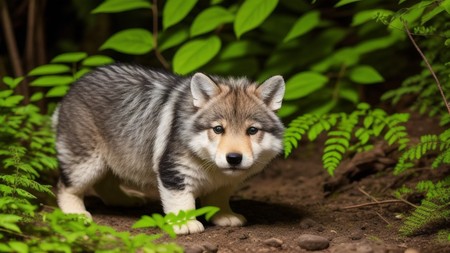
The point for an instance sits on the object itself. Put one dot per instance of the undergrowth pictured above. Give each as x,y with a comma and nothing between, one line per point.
347,132
26,153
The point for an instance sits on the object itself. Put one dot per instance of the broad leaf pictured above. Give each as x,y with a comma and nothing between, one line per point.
12,82
175,10
365,75
241,48
71,57
345,2
134,41
58,91
46,81
113,6
251,14
303,84
97,60
303,25
171,38
210,19
195,54
49,69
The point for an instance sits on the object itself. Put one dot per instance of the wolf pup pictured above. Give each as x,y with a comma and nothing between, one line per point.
189,137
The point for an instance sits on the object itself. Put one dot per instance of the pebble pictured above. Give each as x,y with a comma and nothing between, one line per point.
307,223
273,242
411,250
352,248
204,248
313,242
356,235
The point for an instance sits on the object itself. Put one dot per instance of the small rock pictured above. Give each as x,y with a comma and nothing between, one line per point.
356,235
307,223
204,248
273,242
313,242
411,250
352,248
243,236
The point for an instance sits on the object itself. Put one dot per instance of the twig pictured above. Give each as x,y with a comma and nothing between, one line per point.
389,201
367,194
384,219
12,48
428,65
158,54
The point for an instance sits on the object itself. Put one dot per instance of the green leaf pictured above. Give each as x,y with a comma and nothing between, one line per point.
97,60
367,15
36,96
135,41
365,75
82,72
11,101
251,14
195,54
210,19
113,6
303,25
9,221
241,48
175,10
49,69
6,93
12,82
58,91
46,81
172,38
303,84
345,2
19,247
71,57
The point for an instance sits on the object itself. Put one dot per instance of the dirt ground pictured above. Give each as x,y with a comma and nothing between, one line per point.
295,197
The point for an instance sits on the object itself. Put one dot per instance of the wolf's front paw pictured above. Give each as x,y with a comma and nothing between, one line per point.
228,219
191,227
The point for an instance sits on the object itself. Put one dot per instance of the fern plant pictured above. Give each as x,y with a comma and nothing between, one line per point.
26,153
347,132
434,209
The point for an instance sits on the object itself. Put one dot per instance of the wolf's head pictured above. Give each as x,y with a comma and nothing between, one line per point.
235,127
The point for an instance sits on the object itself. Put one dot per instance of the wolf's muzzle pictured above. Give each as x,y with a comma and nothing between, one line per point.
234,159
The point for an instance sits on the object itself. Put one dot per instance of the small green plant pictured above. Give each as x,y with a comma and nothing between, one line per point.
347,132
434,209
168,222
62,71
26,154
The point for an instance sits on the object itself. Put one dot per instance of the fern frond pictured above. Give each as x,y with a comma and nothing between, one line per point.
427,213
347,132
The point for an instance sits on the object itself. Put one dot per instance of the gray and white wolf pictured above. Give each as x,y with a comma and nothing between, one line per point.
188,137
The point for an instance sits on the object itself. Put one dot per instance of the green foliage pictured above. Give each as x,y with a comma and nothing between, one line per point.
430,20
63,70
260,39
433,211
26,153
58,232
347,132
439,144
168,222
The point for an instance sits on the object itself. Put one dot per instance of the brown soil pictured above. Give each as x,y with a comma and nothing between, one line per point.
295,196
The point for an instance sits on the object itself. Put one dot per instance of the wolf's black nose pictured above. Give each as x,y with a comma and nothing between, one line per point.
234,158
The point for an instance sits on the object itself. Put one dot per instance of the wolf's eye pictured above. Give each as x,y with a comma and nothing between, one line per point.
218,129
252,130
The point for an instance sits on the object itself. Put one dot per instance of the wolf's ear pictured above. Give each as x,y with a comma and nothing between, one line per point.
272,92
202,89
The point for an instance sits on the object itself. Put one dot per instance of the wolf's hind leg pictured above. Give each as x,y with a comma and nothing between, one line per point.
79,177
225,217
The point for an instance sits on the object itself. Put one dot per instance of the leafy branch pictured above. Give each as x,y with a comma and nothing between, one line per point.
347,132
